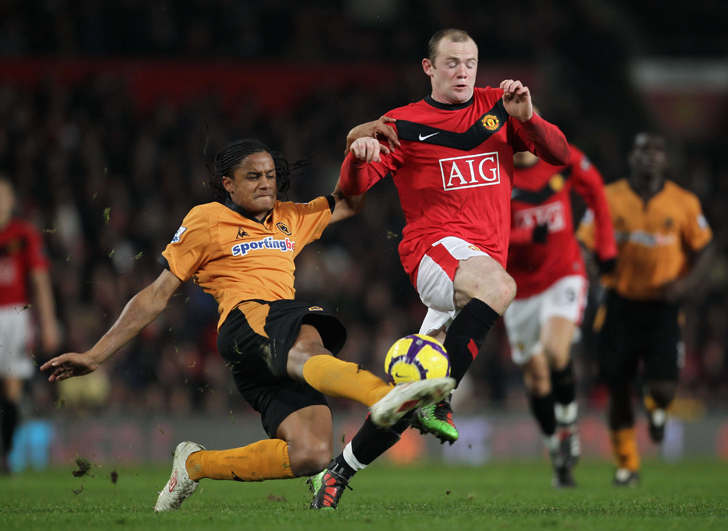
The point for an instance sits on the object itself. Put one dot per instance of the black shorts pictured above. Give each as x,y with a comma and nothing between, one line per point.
255,339
639,330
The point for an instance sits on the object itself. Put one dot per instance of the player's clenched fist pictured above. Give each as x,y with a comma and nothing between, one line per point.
517,99
366,149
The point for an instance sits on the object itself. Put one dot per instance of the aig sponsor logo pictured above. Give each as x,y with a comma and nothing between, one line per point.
470,171
551,214
241,249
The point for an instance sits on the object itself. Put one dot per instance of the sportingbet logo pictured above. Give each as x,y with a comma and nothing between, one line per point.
552,215
470,171
242,249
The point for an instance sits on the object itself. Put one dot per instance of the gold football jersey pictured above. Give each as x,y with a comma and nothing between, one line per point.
653,238
235,257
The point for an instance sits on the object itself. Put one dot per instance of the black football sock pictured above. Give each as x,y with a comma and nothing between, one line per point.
8,423
369,443
467,334
563,384
542,408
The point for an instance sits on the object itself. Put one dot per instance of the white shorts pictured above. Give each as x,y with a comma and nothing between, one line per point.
435,280
524,318
15,334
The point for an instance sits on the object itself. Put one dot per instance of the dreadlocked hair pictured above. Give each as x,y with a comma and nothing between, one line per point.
227,161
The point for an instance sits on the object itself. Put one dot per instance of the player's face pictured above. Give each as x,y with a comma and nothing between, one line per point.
253,184
7,201
453,74
648,158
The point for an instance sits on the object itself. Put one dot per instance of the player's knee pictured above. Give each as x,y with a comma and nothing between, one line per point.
310,458
301,352
620,412
557,355
507,290
662,392
499,293
537,383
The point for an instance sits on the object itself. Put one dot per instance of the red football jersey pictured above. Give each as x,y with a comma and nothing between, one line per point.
454,171
541,195
21,251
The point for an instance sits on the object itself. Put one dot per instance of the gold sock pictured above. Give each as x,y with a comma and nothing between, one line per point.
267,459
341,379
624,447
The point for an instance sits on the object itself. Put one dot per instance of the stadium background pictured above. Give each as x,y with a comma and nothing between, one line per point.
105,111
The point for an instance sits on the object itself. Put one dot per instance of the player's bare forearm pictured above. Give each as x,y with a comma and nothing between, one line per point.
684,287
346,206
701,264
374,129
141,310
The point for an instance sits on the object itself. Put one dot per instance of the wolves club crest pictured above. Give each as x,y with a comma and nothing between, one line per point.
283,228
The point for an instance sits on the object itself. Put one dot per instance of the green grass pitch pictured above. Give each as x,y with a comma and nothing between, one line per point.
512,495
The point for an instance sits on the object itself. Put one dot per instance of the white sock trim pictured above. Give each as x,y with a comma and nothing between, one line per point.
659,417
551,442
350,459
566,414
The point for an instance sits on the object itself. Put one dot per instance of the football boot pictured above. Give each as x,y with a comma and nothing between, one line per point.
437,420
405,397
327,487
626,478
180,486
565,455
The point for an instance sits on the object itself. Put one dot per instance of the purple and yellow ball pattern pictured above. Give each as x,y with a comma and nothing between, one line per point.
416,357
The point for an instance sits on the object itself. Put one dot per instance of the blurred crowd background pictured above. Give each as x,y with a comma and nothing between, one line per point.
107,165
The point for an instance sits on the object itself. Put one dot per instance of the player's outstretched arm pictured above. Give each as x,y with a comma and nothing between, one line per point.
589,184
345,206
141,310
534,134
373,130
357,173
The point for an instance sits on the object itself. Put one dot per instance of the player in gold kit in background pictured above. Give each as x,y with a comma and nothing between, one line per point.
663,244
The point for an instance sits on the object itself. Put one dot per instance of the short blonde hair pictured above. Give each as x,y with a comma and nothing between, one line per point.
455,35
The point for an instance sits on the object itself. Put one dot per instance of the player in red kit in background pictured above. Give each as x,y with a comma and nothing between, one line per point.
545,260
453,170
22,263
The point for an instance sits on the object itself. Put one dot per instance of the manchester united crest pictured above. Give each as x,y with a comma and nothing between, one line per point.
490,122
557,182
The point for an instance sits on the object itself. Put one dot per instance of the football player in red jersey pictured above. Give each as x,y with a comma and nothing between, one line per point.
22,264
453,169
545,260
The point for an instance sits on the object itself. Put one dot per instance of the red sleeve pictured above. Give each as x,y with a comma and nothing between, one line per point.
35,254
541,138
588,184
521,236
358,176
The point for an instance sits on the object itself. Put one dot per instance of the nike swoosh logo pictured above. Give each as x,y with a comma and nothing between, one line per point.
428,136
